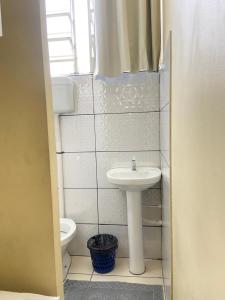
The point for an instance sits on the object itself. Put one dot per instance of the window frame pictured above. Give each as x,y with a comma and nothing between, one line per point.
91,32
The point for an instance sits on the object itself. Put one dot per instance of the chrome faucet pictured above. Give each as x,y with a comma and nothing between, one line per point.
133,165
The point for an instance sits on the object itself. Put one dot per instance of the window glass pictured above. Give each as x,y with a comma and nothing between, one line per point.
57,6
60,49
70,26
59,26
61,68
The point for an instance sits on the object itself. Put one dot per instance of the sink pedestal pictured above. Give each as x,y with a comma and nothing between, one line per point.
134,181
135,233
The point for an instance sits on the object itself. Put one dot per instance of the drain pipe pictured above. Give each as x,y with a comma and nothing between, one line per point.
59,165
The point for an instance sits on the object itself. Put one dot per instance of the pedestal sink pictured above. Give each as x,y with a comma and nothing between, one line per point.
134,181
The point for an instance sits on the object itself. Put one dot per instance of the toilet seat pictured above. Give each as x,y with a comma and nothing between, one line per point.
67,230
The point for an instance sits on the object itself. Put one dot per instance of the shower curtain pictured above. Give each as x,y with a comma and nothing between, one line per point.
127,36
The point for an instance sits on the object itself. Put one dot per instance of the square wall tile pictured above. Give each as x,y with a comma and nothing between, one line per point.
127,132
79,170
128,93
165,79
166,252
81,205
83,95
112,206
165,133
122,234
77,133
166,217
151,236
152,215
78,245
57,133
165,191
152,242
59,170
108,160
151,197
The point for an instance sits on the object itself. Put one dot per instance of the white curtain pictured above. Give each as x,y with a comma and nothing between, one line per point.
127,36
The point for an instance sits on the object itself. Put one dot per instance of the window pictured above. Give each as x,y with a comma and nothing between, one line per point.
70,27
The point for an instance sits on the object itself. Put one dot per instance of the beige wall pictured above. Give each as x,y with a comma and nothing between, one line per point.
29,233
198,148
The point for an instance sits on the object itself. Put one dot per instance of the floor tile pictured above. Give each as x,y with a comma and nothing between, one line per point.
81,265
82,277
128,279
153,268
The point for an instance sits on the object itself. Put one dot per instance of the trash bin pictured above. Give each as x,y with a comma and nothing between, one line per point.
103,252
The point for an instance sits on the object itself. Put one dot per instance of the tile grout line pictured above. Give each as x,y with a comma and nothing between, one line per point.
160,137
112,151
120,225
96,159
103,188
92,274
111,113
95,151
115,275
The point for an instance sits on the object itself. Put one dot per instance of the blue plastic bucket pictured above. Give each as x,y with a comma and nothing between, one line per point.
103,252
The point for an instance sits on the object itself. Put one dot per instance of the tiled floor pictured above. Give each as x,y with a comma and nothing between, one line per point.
81,269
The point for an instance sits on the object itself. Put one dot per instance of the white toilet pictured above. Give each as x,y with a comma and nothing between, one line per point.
67,233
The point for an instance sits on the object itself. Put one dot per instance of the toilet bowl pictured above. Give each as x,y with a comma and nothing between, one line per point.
67,233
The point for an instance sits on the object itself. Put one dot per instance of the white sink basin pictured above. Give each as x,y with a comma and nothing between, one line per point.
139,180
134,180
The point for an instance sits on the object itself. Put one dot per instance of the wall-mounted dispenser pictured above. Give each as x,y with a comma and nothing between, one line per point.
63,95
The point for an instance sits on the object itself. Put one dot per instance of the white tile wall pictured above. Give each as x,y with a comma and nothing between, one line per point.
121,233
128,93
165,132
127,132
117,214
152,242
108,160
77,133
79,244
151,197
152,215
81,205
165,83
114,121
166,217
151,235
79,170
166,228
112,206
